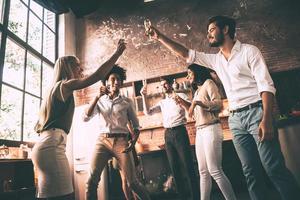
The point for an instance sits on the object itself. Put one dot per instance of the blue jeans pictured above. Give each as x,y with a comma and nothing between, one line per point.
252,153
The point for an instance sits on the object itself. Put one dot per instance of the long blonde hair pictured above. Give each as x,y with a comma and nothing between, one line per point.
63,70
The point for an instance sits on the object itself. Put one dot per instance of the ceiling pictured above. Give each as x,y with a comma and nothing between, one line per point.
83,7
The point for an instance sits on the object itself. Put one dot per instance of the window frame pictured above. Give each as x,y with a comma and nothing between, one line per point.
5,34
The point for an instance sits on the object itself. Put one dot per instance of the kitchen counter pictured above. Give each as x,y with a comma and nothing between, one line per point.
7,160
152,137
288,122
289,137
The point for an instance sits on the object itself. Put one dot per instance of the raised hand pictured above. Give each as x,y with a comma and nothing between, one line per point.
102,91
144,90
152,32
121,46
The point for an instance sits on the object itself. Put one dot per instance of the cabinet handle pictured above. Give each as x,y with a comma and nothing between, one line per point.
81,158
81,171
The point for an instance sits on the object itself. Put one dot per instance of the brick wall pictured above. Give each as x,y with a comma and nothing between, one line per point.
272,25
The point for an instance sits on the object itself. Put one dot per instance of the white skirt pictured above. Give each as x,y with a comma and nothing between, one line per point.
50,160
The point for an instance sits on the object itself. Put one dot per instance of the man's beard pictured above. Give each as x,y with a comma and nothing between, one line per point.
219,41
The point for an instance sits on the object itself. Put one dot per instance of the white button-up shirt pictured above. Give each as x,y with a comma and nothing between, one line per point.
172,113
114,114
244,75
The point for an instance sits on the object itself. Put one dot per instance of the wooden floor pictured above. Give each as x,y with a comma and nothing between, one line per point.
217,195
273,195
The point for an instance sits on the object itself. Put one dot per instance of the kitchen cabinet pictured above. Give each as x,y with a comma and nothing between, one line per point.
84,138
16,179
289,137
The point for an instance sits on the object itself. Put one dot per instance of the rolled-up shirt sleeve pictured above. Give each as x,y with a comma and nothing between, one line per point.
260,71
201,58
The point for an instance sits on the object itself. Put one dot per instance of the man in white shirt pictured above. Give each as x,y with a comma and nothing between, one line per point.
250,92
115,112
173,108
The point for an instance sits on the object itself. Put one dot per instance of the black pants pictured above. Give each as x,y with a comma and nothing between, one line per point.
181,162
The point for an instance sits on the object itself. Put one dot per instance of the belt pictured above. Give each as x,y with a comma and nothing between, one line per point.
215,122
114,135
175,127
252,105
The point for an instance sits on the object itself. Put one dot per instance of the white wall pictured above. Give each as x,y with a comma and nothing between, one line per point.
67,46
66,34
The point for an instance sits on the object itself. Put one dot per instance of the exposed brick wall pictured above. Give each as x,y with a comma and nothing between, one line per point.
272,25
153,139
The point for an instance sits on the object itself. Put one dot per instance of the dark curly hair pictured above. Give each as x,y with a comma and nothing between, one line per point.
201,74
117,70
168,79
221,22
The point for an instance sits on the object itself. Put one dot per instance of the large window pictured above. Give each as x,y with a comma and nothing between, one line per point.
28,40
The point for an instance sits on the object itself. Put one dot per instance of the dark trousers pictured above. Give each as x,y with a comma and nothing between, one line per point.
181,162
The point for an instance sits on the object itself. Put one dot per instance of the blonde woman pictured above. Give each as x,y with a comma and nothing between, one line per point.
55,120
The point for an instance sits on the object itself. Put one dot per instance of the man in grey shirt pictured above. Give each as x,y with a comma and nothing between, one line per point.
173,108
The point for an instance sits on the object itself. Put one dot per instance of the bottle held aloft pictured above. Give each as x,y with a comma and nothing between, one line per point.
147,24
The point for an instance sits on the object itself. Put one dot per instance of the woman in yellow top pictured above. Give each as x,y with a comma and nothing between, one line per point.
206,106
55,120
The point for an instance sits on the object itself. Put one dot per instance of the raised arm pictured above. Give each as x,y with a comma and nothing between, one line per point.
100,73
146,109
177,48
90,111
190,56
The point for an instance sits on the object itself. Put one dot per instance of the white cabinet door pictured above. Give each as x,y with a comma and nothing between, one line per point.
84,138
80,178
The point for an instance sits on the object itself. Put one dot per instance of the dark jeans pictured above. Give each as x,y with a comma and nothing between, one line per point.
181,162
244,127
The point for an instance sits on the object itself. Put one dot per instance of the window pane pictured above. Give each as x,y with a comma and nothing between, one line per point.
47,77
1,10
18,18
35,32
31,112
13,71
49,19
25,1
10,113
33,75
49,44
37,9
